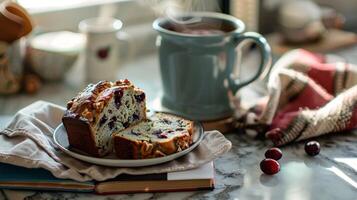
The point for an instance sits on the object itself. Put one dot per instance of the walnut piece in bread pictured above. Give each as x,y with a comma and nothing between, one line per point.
98,111
161,135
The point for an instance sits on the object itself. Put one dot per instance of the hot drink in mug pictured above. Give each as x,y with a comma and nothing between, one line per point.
197,61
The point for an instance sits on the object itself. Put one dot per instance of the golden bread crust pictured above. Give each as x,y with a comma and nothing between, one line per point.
89,103
84,110
80,135
129,149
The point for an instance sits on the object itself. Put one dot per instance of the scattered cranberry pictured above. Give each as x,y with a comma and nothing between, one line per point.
270,166
312,148
274,135
274,153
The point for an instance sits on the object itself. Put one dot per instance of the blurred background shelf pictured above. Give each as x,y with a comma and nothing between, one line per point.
332,40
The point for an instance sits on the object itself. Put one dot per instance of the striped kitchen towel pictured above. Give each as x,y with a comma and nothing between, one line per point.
308,95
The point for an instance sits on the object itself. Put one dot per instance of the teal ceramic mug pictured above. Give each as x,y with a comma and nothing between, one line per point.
197,53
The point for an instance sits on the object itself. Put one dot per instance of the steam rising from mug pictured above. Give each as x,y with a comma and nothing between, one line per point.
173,9
107,11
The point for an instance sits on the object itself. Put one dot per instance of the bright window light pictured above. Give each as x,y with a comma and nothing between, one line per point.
51,5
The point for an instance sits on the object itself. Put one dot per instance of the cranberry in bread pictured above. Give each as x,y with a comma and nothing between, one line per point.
161,135
98,111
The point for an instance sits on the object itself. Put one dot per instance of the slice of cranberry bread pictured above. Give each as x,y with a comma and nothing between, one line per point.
161,135
98,111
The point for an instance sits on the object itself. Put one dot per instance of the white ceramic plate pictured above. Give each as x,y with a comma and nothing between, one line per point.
61,140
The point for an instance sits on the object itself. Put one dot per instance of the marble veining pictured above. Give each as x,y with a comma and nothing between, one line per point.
238,175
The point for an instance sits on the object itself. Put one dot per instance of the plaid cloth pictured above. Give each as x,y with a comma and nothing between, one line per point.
308,95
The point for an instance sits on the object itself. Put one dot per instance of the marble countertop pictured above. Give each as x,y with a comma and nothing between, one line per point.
330,175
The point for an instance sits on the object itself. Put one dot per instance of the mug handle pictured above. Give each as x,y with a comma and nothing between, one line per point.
265,63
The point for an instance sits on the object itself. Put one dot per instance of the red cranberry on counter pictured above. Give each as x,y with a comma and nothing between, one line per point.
269,166
312,148
273,153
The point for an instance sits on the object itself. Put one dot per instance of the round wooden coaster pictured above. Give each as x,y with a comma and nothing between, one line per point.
225,125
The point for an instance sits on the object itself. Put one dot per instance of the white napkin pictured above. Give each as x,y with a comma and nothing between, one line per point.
27,141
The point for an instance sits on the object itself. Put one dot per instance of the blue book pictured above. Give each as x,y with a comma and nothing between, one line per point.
14,177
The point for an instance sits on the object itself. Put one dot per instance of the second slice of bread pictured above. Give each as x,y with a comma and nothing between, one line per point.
161,135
